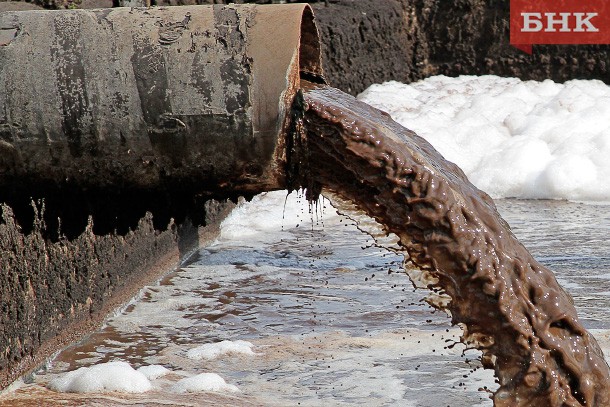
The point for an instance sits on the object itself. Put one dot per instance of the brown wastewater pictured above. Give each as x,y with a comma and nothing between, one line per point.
509,306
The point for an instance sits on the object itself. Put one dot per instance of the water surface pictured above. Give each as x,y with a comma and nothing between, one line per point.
333,319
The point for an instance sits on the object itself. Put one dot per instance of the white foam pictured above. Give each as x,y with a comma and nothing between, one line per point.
512,138
203,382
261,214
215,350
105,377
168,311
153,372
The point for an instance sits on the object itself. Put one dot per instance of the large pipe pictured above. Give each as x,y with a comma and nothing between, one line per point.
143,98
130,99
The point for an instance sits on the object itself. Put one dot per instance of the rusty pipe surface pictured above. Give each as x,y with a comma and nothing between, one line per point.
149,97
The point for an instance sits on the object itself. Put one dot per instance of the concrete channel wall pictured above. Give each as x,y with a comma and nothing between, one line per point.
368,41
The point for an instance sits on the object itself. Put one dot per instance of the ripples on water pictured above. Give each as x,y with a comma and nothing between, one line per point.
333,318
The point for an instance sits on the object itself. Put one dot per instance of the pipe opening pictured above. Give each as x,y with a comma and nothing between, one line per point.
310,62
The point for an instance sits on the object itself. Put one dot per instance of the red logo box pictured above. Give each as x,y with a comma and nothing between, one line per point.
559,22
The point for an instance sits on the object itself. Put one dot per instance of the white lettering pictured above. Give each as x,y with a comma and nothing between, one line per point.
533,22
530,24
551,22
581,22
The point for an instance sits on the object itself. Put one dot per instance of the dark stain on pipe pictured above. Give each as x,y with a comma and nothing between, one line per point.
67,58
234,71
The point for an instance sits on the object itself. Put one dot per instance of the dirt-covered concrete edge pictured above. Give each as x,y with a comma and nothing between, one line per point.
53,293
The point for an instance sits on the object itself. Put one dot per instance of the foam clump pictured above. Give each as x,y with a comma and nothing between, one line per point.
240,224
106,377
153,372
214,350
204,382
296,209
512,138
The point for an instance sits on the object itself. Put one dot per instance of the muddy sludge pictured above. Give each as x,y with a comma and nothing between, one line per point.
509,306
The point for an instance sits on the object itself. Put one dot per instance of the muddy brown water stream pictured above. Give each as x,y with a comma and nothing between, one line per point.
509,305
